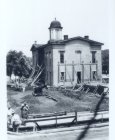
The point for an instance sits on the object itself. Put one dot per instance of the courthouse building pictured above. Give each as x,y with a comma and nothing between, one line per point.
68,61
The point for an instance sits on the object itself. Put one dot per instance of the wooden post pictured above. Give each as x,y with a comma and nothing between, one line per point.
58,72
90,71
82,72
34,129
65,71
102,118
72,70
17,129
56,120
76,117
96,70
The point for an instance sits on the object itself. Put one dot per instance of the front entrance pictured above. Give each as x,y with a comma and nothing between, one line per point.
79,77
94,75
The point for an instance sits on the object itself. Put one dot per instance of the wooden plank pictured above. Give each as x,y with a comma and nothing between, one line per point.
47,115
25,127
68,118
48,119
50,97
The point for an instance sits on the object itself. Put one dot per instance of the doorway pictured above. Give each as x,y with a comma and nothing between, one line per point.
94,75
79,77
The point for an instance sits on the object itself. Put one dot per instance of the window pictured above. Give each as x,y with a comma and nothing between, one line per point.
78,56
77,51
61,56
62,76
57,33
94,57
50,58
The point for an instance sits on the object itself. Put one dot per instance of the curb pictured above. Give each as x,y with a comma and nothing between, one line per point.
59,129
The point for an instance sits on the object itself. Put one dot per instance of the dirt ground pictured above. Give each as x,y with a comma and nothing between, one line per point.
62,102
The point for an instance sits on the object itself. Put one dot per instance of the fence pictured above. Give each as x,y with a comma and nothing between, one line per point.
38,122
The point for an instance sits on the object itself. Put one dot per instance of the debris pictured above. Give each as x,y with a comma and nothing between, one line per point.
50,97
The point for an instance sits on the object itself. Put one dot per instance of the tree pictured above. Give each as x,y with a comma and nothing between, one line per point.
18,64
11,62
105,61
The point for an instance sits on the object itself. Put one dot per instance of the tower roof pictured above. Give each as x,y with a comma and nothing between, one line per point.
55,24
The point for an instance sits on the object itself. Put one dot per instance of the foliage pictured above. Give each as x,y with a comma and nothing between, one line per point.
18,64
105,61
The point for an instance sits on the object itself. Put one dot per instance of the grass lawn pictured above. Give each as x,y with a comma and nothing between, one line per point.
42,104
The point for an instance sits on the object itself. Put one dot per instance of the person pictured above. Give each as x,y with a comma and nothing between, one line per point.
9,116
24,111
23,88
15,121
9,112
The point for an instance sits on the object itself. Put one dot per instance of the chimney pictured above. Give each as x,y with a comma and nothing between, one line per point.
86,37
35,42
65,37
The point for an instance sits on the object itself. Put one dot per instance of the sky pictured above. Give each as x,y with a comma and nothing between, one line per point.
29,20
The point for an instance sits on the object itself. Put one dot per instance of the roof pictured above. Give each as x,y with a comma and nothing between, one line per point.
55,24
36,46
92,42
63,42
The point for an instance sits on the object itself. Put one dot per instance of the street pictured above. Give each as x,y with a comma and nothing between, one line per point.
99,133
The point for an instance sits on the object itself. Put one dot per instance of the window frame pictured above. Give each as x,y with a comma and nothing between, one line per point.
93,56
62,76
62,57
